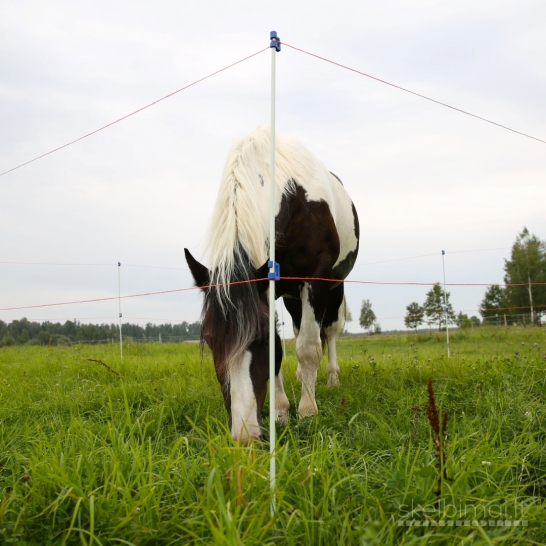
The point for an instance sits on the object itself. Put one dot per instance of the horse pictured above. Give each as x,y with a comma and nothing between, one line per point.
317,237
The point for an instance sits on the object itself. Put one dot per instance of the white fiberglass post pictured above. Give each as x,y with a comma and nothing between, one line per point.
119,309
446,308
274,272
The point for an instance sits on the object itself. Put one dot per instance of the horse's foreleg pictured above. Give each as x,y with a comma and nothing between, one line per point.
244,405
309,352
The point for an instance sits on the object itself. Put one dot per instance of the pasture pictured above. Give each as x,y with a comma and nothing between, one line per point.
145,457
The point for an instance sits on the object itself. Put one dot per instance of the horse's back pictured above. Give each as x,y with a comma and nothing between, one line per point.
242,209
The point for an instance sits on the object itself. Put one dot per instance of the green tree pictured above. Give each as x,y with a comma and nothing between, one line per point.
435,307
415,315
527,265
494,302
475,321
463,321
44,337
24,337
367,316
348,318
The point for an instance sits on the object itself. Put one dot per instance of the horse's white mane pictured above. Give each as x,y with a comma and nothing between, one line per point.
240,216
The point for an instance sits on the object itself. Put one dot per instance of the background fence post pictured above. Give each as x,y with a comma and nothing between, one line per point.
119,309
446,308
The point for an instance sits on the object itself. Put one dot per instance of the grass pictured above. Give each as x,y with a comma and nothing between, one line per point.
89,457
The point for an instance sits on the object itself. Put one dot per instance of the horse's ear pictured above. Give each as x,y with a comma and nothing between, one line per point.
261,273
201,274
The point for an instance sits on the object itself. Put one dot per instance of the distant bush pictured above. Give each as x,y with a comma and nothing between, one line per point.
24,337
62,340
44,337
7,341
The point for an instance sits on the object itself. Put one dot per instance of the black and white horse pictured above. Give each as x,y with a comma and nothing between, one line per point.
317,236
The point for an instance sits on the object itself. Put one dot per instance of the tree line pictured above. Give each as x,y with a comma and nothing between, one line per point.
522,300
525,271
25,332
435,310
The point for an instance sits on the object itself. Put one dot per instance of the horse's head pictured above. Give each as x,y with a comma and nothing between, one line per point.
235,325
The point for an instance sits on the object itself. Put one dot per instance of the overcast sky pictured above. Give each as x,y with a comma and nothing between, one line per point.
423,177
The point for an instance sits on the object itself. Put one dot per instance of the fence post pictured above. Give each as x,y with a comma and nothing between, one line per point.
446,308
119,308
273,275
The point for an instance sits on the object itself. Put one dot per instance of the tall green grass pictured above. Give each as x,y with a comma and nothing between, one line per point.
89,457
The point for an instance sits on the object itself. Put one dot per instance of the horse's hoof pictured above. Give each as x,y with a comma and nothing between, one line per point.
246,437
282,405
282,417
307,410
248,440
333,380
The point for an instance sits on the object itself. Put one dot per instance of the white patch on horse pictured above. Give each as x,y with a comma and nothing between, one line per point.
345,223
309,353
244,408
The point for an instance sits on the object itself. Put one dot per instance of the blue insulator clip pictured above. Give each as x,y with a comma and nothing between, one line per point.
120,315
275,40
443,252
119,264
274,275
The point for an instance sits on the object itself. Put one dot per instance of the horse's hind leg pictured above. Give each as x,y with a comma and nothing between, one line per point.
293,306
334,321
282,405
308,345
